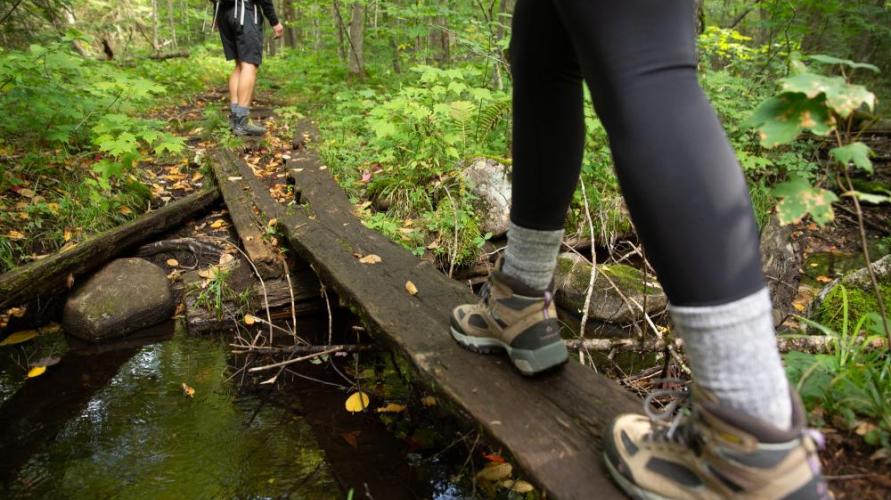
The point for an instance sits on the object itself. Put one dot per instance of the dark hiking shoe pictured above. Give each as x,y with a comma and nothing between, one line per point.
713,452
515,318
243,126
232,120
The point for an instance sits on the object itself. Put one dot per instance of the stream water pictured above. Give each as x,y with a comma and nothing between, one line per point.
119,424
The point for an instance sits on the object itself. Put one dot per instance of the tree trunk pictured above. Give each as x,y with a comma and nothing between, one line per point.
338,24
172,23
290,24
155,44
357,38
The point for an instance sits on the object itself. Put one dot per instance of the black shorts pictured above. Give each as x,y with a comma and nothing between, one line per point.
243,42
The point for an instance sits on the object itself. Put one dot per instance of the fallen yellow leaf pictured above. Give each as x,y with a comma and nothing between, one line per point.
411,288
125,210
217,224
15,235
172,262
358,401
249,319
19,337
188,391
428,401
392,408
36,371
272,222
517,486
371,259
67,234
494,472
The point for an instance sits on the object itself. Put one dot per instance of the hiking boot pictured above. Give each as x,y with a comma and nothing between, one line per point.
515,318
713,452
232,120
243,126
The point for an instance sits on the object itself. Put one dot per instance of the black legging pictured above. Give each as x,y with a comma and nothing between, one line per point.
681,181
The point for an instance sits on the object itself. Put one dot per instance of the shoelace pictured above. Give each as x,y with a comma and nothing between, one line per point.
667,423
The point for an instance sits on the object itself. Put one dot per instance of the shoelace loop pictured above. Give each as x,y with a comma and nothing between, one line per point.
665,423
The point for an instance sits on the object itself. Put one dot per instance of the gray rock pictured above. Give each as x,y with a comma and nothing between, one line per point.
125,296
781,263
607,304
490,184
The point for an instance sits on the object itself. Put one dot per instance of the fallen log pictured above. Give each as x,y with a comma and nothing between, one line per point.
235,188
42,276
814,344
550,424
169,55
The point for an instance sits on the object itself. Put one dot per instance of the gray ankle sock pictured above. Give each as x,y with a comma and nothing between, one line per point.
733,354
232,107
241,110
531,255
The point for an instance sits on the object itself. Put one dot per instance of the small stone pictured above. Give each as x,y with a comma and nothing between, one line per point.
125,296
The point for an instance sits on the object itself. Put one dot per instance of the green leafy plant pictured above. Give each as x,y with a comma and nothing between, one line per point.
852,383
823,105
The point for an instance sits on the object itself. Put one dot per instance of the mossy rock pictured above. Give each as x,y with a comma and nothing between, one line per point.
125,296
828,307
618,290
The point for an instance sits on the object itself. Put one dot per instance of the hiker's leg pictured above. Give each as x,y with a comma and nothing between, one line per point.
548,140
233,83
685,191
246,81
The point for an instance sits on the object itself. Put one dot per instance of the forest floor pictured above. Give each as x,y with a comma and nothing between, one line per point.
855,470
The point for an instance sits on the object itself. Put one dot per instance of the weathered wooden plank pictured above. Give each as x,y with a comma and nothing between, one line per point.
551,424
235,188
31,280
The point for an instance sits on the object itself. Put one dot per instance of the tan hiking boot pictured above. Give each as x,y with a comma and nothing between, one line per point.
515,318
714,452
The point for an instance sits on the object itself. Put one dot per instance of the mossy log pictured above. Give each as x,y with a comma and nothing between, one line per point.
46,275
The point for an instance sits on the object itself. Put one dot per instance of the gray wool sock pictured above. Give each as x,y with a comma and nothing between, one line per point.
531,255
733,354
241,110
232,107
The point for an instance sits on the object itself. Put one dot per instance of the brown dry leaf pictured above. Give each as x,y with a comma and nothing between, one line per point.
272,222
371,259
172,262
188,391
47,361
67,234
226,258
17,312
823,279
125,210
494,472
352,438
864,428
15,235
27,193
208,272
69,281
197,176
411,288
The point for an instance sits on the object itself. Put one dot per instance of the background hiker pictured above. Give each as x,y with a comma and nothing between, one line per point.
689,202
241,31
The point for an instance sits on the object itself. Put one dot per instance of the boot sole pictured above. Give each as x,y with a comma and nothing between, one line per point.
630,489
527,361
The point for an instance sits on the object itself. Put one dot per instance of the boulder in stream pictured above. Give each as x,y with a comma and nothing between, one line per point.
125,296
619,304
490,184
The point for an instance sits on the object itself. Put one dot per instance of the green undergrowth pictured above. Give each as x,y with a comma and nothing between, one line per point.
854,302
76,138
850,388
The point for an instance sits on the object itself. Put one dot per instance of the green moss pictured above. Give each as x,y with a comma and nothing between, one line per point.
626,277
860,302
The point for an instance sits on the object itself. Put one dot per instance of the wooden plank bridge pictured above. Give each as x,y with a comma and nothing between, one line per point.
550,424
